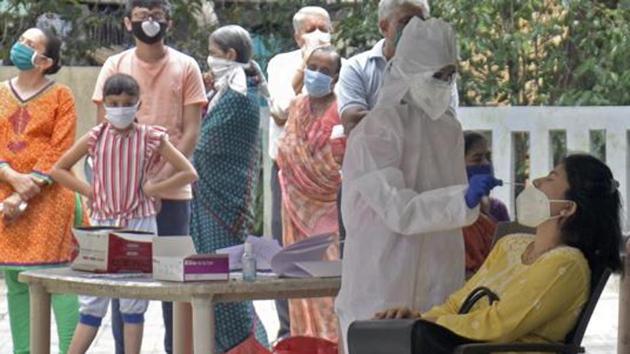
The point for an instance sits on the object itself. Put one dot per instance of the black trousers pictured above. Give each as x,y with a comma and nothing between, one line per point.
430,338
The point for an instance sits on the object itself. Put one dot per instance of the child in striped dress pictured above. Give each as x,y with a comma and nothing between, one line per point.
121,194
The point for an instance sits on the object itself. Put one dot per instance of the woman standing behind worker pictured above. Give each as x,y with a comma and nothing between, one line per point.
478,237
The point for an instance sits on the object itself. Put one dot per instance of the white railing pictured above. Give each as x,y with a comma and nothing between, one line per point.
539,123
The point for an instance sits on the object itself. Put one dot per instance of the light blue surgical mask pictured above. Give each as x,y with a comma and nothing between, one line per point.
317,84
121,117
23,56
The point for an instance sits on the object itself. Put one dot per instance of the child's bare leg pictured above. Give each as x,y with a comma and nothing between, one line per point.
82,339
92,309
133,317
133,337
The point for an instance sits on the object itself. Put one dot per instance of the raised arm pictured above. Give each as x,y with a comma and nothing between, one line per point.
373,177
62,171
184,172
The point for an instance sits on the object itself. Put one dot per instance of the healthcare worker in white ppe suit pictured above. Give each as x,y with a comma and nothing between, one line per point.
406,195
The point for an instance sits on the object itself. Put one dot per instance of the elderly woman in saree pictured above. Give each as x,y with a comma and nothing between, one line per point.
226,158
309,157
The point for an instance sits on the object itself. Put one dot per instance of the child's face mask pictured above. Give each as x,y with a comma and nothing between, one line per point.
121,117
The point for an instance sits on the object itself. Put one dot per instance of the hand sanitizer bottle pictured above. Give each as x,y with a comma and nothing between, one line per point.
249,263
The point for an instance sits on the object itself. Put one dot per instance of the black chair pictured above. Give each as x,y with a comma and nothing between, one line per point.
396,336
381,337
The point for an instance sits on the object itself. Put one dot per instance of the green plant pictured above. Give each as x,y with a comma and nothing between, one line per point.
86,27
19,15
541,51
356,27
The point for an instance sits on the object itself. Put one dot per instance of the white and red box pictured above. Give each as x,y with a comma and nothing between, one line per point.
113,250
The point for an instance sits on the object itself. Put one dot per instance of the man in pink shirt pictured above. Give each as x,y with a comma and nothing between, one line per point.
172,95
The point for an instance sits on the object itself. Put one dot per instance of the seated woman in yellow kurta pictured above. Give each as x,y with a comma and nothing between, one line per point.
543,280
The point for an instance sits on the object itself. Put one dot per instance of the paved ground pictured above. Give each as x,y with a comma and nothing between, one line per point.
600,337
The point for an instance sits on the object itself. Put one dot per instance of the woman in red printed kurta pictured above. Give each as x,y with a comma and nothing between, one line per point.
37,125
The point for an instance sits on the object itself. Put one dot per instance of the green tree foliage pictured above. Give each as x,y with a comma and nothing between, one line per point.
86,27
541,51
534,52
356,27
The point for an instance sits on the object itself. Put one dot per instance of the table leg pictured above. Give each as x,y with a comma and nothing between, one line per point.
182,328
40,320
203,325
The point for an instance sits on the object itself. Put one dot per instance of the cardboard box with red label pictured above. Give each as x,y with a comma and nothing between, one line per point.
113,250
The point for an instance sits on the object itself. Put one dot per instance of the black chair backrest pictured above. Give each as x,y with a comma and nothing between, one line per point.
577,334
510,228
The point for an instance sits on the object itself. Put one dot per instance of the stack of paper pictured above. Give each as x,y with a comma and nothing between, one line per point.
300,260
319,269
264,250
290,262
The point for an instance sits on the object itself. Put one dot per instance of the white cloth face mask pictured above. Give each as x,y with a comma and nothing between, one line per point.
533,207
315,39
430,94
151,28
121,117
220,67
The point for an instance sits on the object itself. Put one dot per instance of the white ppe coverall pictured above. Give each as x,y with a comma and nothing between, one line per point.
404,182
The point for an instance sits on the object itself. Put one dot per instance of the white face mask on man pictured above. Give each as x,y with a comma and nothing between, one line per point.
533,207
315,39
431,94
121,117
436,39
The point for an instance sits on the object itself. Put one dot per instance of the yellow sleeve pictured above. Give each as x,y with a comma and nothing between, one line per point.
454,301
527,302
62,136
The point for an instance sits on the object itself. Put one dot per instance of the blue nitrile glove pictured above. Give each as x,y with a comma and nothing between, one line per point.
480,186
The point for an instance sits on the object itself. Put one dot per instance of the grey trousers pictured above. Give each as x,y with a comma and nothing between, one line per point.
282,306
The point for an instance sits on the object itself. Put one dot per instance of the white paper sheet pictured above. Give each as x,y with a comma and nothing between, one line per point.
286,262
321,269
311,249
264,249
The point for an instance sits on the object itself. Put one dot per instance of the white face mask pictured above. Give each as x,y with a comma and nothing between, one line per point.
430,94
121,117
151,28
533,207
315,39
221,67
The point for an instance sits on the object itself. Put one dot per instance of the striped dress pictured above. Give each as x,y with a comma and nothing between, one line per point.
122,160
